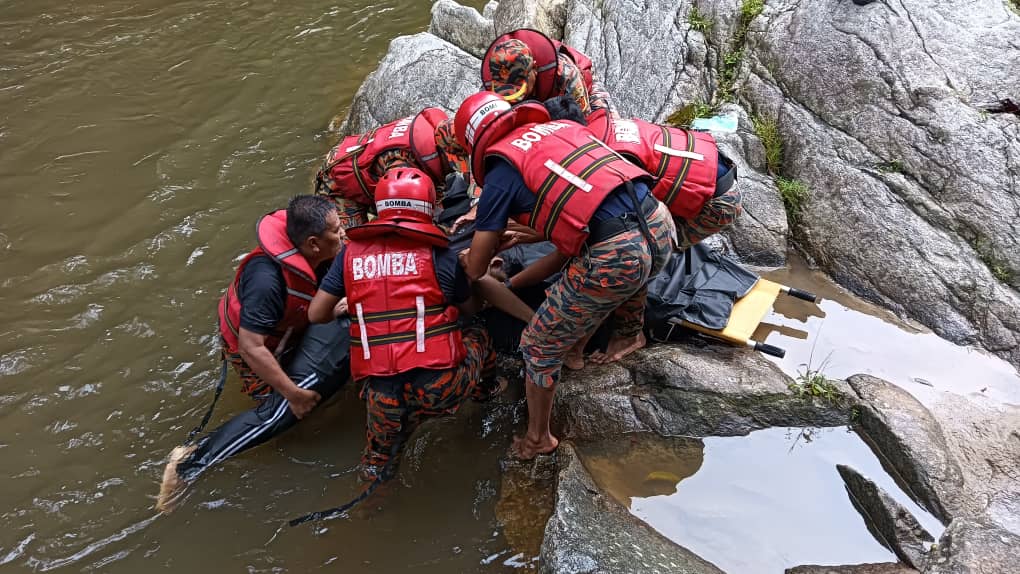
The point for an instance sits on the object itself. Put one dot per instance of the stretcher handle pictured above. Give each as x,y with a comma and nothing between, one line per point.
800,294
769,349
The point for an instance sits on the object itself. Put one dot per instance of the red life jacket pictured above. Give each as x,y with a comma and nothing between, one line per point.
347,171
545,51
569,171
271,231
684,162
400,319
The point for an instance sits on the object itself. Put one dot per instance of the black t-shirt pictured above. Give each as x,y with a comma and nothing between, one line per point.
263,294
452,279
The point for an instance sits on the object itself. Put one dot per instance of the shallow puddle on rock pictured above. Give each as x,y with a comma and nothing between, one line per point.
754,504
843,335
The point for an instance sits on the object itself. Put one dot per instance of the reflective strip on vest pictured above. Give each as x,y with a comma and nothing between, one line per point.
681,176
364,332
399,314
573,179
551,179
419,323
679,152
405,336
557,208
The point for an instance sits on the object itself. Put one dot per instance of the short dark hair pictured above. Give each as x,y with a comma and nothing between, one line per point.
306,216
565,108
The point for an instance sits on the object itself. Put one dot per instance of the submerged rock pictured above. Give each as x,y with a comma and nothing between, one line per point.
590,532
892,524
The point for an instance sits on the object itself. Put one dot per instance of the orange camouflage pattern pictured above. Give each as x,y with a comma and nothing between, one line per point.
393,414
609,275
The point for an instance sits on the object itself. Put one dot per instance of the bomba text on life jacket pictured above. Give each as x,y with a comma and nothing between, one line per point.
401,127
397,264
536,133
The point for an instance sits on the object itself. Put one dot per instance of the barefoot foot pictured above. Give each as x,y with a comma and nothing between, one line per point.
525,448
172,486
619,348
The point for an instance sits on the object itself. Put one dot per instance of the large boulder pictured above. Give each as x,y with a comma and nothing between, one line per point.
590,532
687,390
914,188
418,71
462,26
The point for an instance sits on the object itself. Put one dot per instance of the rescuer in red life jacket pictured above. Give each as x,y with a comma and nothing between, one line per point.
693,178
557,179
353,168
526,64
286,365
403,287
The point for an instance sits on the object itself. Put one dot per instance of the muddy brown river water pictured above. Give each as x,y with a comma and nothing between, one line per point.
139,141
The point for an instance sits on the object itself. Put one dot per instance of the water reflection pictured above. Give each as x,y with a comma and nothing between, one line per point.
851,336
755,504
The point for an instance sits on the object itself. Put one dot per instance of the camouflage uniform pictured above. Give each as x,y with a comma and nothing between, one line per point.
717,214
607,275
397,405
251,384
512,64
353,213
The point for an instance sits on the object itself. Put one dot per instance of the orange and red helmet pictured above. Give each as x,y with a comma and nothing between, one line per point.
484,117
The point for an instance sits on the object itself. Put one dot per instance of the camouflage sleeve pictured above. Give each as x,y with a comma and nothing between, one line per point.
351,213
600,99
571,83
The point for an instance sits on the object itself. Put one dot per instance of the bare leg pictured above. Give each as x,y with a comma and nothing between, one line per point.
172,486
574,359
539,439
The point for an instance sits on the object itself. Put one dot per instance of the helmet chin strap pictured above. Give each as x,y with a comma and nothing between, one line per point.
518,95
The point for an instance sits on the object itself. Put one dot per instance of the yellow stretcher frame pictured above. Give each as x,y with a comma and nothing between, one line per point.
747,314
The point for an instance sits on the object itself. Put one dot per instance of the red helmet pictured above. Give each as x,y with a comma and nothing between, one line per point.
484,118
405,194
405,199
475,114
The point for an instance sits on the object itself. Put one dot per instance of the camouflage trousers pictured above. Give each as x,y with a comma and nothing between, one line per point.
606,276
398,405
251,384
717,214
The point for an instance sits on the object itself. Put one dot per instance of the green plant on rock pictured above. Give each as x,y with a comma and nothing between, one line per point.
767,131
795,195
894,166
699,21
1000,268
750,9
685,116
812,383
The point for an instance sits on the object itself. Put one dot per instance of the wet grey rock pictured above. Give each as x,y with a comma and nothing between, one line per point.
462,26
590,532
877,106
911,441
884,568
758,236
985,438
891,523
546,16
646,55
976,547
489,11
690,390
418,71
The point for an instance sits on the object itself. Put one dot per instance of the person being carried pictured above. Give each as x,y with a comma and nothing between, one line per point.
286,366
353,168
557,179
402,288
526,64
